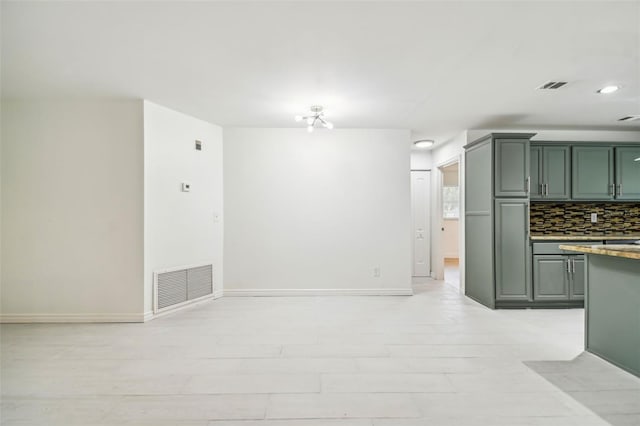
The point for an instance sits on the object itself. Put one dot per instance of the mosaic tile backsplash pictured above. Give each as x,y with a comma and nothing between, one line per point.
575,218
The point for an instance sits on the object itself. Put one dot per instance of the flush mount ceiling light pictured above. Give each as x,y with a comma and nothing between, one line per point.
423,143
316,115
609,89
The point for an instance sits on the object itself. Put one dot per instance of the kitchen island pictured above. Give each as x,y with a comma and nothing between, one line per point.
612,303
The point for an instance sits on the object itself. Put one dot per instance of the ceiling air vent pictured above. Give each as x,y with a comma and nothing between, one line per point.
630,118
552,85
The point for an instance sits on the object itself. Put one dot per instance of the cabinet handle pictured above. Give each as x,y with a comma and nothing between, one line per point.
528,183
612,189
568,266
546,189
619,189
528,219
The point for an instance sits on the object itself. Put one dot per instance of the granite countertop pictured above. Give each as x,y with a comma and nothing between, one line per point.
581,237
630,251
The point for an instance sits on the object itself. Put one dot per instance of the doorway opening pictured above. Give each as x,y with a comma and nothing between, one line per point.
450,222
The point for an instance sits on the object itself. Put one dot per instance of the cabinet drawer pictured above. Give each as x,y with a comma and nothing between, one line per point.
554,248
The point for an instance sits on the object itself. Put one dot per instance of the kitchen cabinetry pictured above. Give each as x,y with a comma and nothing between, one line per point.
627,160
512,255
592,173
550,172
557,275
605,172
498,258
511,167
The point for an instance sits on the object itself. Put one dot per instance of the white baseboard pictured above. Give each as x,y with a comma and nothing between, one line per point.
252,292
70,318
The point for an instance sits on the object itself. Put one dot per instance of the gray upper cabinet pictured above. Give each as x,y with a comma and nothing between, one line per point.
512,250
556,166
550,172
535,170
592,173
627,173
511,167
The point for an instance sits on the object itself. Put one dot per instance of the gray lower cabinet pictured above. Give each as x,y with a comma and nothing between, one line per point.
512,250
577,283
558,277
550,277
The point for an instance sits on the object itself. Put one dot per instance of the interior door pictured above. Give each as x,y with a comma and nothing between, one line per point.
420,215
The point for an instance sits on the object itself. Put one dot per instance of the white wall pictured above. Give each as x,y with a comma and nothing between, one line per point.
420,159
181,228
317,212
72,211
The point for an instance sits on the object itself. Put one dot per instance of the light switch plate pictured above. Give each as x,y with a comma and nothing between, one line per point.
594,217
186,187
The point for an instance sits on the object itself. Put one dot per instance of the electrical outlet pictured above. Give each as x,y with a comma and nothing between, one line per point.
594,217
376,272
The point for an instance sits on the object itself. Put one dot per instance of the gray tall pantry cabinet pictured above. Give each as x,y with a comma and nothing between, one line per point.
497,251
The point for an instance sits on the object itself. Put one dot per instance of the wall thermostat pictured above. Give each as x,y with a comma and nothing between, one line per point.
186,187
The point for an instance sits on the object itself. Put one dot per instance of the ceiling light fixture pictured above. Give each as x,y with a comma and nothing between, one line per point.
316,115
608,89
423,143
637,159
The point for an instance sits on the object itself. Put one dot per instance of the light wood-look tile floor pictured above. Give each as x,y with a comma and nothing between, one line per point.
436,358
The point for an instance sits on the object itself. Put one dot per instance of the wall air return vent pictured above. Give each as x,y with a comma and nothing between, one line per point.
630,118
552,85
181,286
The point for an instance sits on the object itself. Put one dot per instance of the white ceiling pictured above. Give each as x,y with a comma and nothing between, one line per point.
434,67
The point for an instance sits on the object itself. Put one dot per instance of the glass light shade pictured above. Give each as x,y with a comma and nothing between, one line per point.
426,143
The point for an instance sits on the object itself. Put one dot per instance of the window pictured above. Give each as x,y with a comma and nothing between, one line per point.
450,202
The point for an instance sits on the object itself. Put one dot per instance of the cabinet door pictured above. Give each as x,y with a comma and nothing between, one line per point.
550,277
556,172
576,286
511,167
535,168
512,252
628,173
592,173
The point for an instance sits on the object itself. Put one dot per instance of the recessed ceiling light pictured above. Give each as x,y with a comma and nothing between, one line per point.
637,159
609,89
424,143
